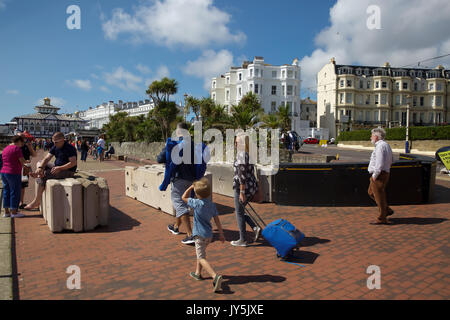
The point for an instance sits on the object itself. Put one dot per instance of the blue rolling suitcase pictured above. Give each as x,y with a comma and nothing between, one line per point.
281,234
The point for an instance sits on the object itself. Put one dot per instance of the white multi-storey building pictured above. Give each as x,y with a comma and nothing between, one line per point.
97,117
356,97
274,86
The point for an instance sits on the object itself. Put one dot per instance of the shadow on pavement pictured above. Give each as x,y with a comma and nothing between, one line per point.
301,256
417,221
238,280
223,210
118,221
441,194
231,235
311,241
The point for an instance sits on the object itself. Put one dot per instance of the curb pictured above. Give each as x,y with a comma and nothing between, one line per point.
6,269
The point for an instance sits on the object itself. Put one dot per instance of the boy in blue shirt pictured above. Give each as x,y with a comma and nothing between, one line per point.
204,210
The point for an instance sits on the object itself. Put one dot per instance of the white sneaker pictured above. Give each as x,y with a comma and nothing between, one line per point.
257,231
239,243
18,215
6,215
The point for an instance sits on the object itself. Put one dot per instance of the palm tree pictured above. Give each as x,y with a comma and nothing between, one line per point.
195,105
284,118
271,121
242,117
165,111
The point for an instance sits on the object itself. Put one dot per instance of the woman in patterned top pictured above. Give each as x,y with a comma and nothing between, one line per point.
245,187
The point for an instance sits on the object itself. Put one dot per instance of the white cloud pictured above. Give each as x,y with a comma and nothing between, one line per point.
143,69
13,92
93,75
411,31
210,64
3,4
193,23
81,84
163,71
105,89
124,79
54,101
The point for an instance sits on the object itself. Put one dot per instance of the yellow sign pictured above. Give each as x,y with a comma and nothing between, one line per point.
321,142
445,158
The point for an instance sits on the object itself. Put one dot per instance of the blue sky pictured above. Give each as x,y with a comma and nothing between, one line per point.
124,45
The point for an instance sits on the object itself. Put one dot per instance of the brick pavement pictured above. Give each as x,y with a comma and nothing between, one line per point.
135,257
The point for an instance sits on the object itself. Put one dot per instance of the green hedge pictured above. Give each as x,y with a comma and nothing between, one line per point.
415,133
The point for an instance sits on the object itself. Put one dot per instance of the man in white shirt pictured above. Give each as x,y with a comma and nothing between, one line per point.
379,168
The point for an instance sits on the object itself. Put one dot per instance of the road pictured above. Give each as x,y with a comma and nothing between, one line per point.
349,154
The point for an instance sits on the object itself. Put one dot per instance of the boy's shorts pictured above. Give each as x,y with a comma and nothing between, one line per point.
200,246
179,187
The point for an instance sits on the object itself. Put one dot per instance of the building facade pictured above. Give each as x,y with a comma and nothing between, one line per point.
46,121
309,112
274,86
357,97
97,117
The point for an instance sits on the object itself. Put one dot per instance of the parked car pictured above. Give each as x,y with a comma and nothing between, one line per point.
311,141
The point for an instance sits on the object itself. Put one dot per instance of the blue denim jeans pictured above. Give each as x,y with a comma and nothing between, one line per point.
84,155
12,188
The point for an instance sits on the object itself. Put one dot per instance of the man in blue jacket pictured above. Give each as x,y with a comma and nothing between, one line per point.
181,180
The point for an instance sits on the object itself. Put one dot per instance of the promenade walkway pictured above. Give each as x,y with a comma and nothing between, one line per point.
135,257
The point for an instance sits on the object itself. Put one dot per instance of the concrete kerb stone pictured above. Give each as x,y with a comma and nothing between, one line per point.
6,277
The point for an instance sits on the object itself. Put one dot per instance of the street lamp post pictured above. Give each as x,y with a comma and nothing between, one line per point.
185,112
407,124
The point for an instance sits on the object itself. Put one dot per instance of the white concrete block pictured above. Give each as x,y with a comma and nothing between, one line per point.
63,205
144,185
222,178
104,206
91,205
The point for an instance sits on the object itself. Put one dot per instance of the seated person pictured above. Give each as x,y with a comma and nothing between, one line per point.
65,166
109,152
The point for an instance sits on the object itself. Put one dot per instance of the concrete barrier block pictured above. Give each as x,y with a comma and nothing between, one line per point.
63,205
131,187
265,179
222,178
91,205
104,206
146,181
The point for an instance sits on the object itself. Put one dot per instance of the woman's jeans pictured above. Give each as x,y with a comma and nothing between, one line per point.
83,155
12,188
241,217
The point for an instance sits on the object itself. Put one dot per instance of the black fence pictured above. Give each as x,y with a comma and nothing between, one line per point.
412,181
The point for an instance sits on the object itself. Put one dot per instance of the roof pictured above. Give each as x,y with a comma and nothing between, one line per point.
41,116
308,101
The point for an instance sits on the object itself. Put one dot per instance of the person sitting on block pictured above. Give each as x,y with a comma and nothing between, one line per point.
65,166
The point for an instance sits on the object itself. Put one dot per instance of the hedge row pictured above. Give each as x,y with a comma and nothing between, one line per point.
415,133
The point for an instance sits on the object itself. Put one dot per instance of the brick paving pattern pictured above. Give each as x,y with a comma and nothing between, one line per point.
135,257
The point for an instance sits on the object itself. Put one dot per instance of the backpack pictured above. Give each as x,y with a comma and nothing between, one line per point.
171,168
